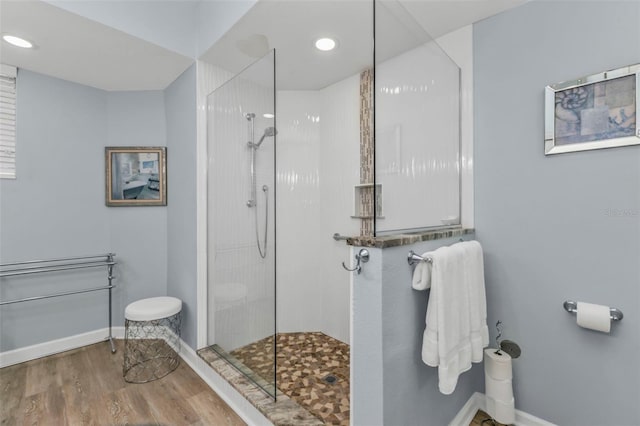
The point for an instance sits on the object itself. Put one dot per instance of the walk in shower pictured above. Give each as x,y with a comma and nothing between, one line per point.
291,174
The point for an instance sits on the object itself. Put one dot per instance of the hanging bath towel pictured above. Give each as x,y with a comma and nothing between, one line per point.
456,330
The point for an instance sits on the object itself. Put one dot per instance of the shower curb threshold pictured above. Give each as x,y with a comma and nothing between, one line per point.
283,412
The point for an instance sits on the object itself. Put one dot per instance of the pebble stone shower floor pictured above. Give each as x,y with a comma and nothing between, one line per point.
305,361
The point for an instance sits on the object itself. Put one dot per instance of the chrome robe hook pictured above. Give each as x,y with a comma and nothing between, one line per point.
362,256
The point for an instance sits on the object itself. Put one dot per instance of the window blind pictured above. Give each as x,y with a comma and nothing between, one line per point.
7,122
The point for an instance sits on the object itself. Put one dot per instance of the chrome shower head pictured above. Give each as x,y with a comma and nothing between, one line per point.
268,132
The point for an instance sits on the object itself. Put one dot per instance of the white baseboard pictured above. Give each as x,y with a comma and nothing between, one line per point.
237,402
468,410
477,402
28,353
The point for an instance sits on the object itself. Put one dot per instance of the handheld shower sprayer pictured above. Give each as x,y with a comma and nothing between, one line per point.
253,202
268,132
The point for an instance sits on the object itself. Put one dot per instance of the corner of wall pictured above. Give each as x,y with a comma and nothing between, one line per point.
215,18
180,107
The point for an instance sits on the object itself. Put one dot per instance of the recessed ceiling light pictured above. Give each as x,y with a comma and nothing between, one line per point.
325,44
17,41
268,115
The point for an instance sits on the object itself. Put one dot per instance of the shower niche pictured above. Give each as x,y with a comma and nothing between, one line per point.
362,195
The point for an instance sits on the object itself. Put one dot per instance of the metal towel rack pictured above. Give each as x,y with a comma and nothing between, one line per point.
63,264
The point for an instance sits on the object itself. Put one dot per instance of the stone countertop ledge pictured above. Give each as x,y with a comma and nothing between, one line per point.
408,238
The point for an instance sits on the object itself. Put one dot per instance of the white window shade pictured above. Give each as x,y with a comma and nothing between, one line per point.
7,122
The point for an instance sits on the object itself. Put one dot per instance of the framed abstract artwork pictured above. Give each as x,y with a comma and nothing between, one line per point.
593,112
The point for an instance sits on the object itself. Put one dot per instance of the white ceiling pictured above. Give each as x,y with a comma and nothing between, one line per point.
77,49
440,17
81,50
292,26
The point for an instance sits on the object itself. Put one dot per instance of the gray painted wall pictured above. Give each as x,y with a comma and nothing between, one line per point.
138,234
366,342
391,385
411,394
543,221
180,106
55,208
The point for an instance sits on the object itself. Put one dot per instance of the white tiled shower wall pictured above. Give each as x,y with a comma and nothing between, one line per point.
318,162
241,289
318,165
417,138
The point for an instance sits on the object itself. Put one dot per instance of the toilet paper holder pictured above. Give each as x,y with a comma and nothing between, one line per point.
572,307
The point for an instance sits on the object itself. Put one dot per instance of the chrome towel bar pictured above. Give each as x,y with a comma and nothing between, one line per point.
107,260
572,307
58,267
60,259
414,258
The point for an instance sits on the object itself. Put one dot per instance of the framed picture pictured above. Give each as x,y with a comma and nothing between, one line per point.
136,176
593,112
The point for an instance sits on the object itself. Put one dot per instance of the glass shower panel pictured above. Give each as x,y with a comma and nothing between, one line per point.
241,220
417,125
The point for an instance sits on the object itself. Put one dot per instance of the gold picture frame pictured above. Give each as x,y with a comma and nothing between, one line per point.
136,176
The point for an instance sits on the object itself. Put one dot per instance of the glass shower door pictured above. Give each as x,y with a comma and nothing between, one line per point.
417,124
241,137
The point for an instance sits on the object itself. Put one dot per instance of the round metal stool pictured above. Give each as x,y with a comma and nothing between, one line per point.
151,339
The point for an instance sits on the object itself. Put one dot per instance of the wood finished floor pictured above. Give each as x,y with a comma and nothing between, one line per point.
85,387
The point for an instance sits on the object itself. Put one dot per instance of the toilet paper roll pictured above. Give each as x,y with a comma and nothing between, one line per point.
498,386
500,390
594,317
497,365
503,412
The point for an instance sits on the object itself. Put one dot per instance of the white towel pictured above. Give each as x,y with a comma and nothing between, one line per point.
453,337
474,268
422,274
